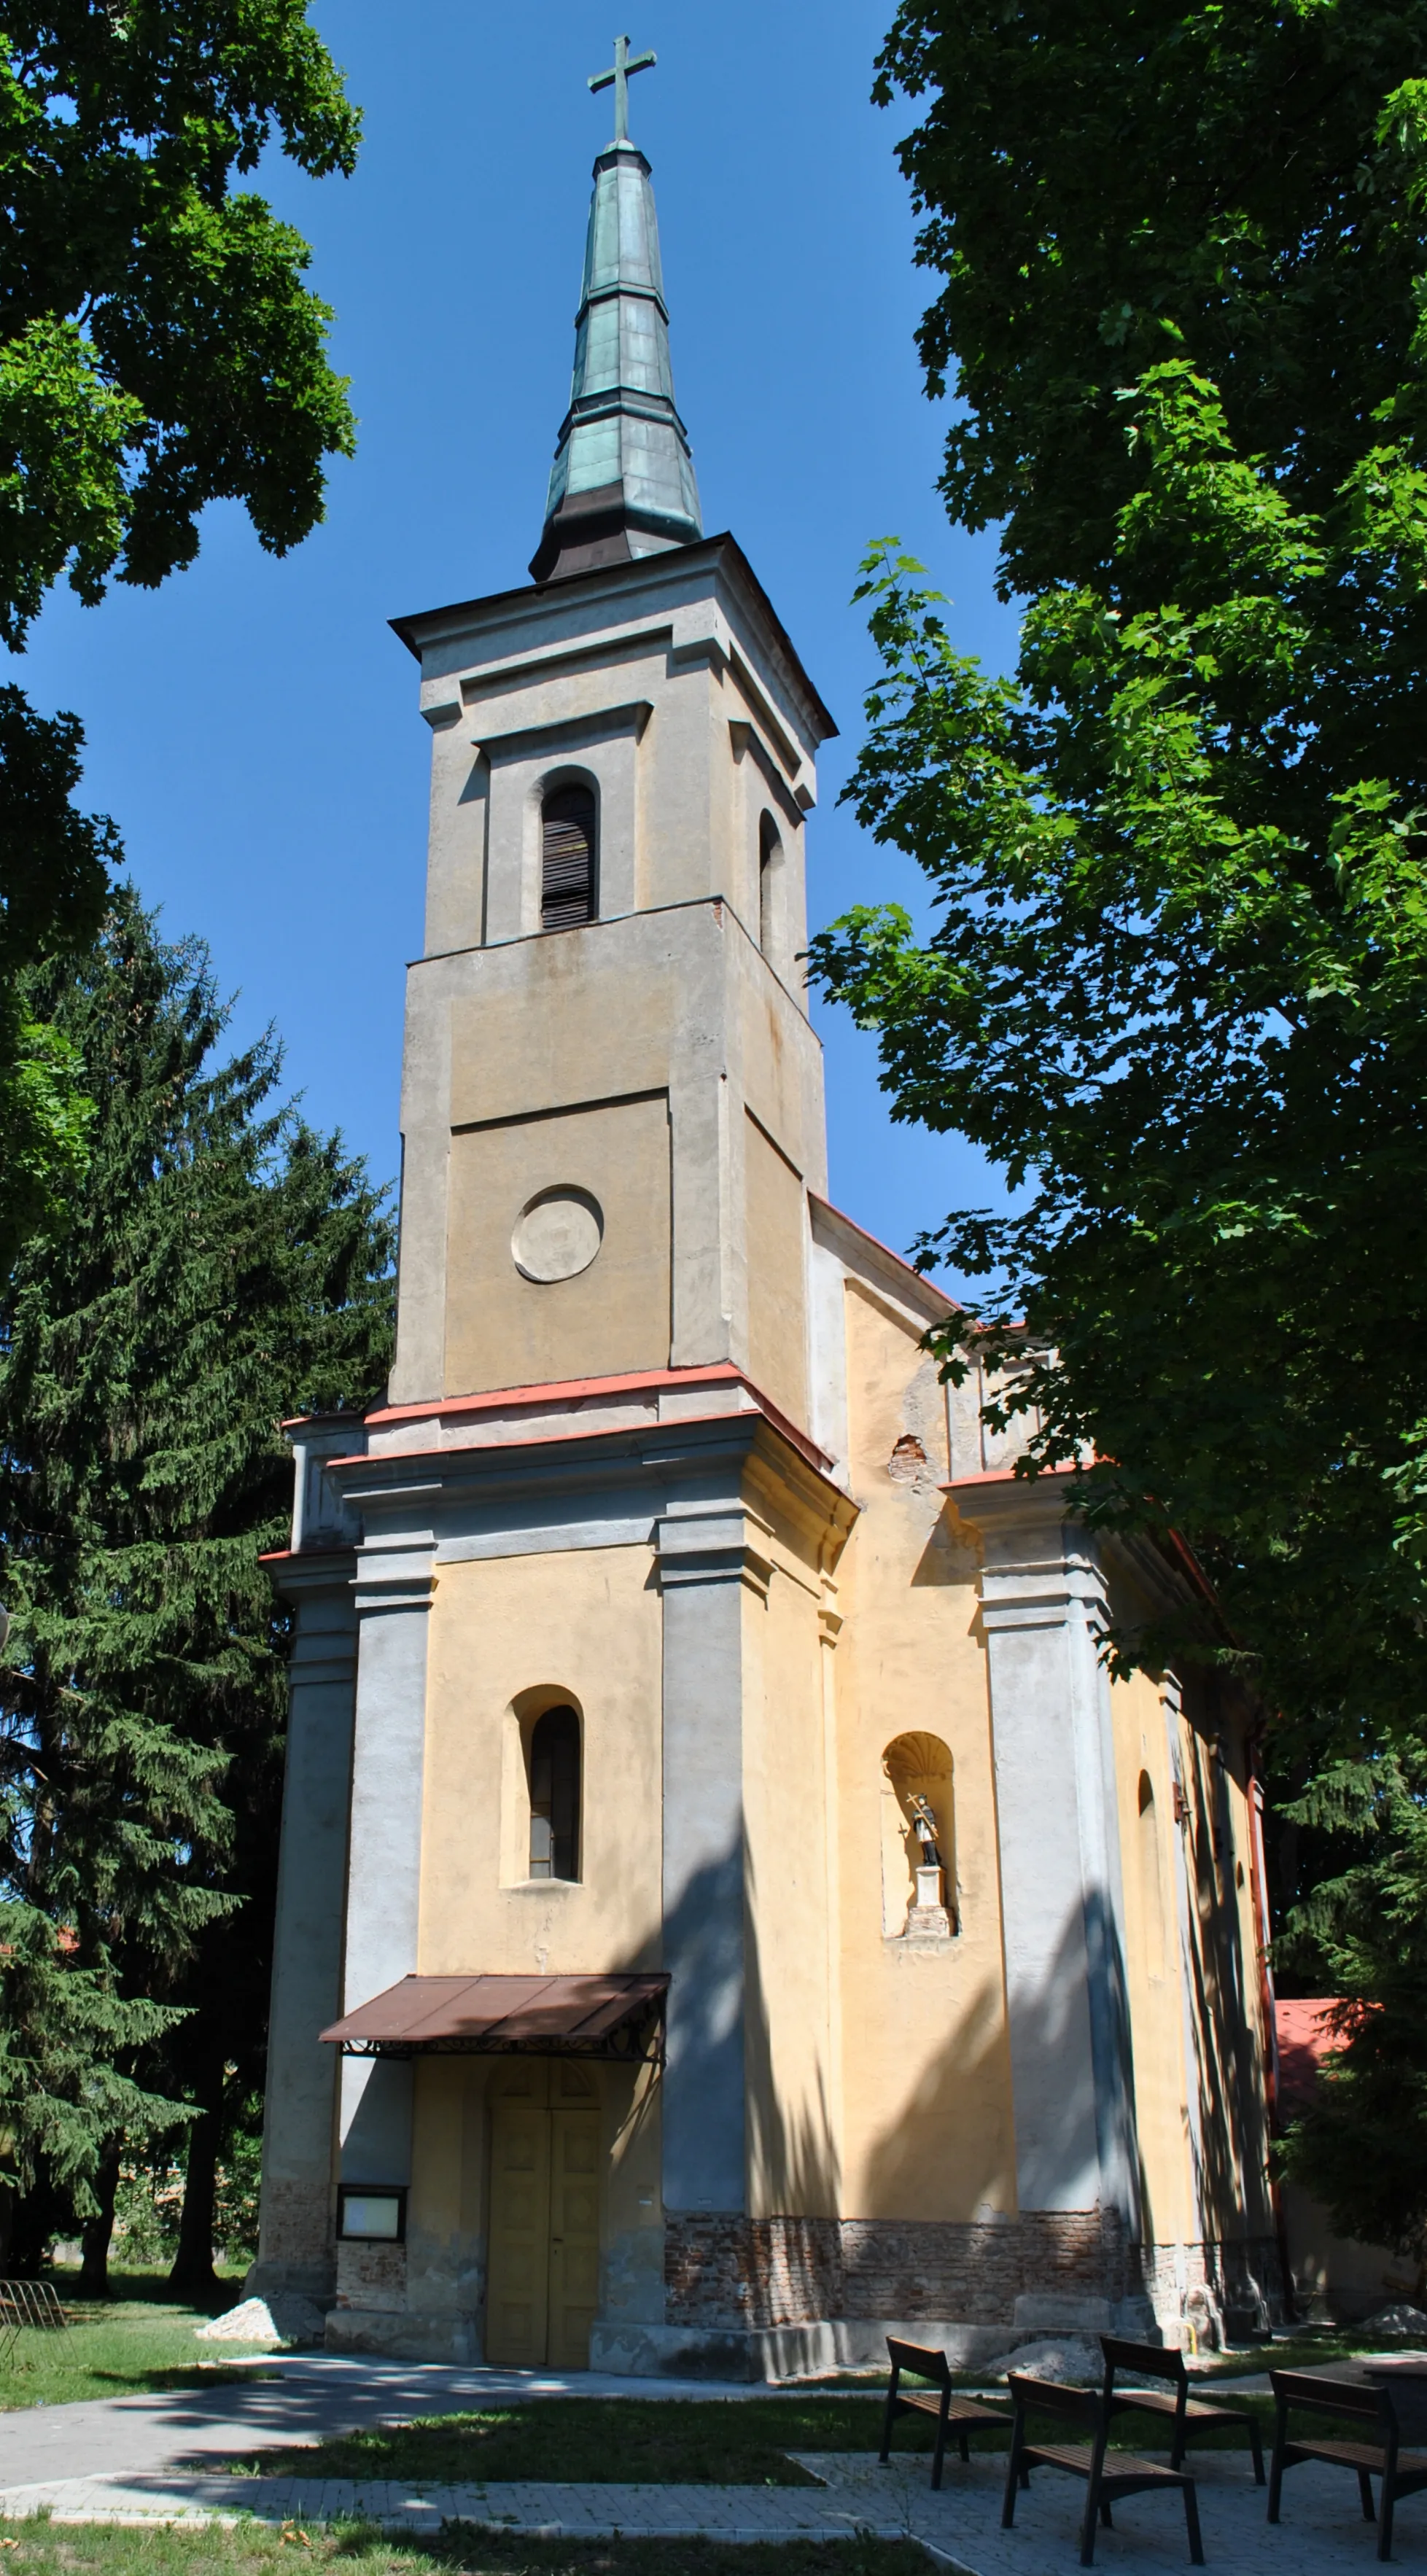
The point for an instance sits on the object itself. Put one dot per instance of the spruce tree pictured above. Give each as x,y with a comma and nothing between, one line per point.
226,1268
1361,2146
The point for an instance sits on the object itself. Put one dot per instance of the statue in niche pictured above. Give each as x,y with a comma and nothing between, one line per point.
918,1839
927,1914
924,1827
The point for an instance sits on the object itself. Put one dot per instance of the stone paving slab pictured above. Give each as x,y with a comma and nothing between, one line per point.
294,2399
1322,2533
538,2507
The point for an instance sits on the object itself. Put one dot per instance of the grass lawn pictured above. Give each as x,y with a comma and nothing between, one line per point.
51,2549
138,2339
1314,2349
649,2441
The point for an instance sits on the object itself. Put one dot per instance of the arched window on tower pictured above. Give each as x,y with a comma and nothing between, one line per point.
568,858
770,857
555,1795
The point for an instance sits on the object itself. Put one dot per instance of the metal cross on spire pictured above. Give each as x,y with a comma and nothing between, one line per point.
623,67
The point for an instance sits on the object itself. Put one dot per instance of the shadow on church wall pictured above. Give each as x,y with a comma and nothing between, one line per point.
1231,2150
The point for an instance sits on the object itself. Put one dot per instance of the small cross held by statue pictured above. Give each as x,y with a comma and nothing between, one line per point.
624,67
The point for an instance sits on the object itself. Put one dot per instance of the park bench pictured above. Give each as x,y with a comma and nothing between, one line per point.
1402,2472
1085,2410
1188,2416
940,2400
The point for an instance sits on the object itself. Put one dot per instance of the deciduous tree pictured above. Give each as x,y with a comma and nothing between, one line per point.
158,350
1176,982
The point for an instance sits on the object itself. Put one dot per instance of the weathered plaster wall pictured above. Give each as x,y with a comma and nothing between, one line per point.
612,1057
505,1330
585,1623
674,696
776,1230
927,2119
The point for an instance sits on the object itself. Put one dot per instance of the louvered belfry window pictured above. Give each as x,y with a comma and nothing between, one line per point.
567,876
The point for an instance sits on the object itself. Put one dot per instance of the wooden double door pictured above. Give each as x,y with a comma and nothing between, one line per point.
544,2253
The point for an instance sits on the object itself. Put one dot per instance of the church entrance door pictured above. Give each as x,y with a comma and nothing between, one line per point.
545,2217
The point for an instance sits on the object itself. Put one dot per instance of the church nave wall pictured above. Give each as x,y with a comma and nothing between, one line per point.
794,2151
928,2125
581,1626
1158,1962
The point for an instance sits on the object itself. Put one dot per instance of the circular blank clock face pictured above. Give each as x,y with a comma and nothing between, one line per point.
557,1234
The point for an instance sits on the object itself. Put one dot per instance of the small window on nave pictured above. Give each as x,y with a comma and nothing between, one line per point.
568,858
555,1795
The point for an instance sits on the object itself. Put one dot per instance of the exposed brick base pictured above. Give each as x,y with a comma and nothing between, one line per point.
1210,2287
296,2222
729,2271
371,2276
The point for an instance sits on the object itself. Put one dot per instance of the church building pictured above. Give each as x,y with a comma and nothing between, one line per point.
726,1909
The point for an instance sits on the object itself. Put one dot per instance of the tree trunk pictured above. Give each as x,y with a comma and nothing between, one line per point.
36,2218
96,2232
193,2272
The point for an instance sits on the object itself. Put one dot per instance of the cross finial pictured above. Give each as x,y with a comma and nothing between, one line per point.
623,66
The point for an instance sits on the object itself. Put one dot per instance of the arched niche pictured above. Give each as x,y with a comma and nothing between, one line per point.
770,889
916,1781
1150,1871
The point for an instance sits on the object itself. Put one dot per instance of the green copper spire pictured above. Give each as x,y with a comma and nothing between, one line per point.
623,480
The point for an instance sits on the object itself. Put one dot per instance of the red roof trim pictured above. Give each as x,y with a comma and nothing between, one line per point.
554,1390
1005,1476
807,1449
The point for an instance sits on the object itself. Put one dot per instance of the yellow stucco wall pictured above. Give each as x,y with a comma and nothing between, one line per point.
792,2128
927,2118
584,1625
1149,1862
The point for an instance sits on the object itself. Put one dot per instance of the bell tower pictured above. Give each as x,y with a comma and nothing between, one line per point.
612,1101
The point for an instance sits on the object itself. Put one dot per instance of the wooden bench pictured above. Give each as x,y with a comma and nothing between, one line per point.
1189,2416
940,2400
1402,2472
1085,2409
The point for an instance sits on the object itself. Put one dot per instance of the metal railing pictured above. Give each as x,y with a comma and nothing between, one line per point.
29,2303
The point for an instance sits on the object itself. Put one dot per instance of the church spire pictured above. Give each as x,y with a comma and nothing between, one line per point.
623,480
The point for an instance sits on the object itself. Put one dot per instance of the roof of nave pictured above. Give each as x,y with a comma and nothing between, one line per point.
862,1253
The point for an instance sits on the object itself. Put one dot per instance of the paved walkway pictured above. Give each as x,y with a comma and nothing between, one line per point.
301,2397
1322,2532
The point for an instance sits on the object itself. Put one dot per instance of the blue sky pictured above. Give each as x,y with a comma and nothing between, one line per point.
252,726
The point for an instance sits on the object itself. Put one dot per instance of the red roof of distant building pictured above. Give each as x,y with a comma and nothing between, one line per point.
1305,2036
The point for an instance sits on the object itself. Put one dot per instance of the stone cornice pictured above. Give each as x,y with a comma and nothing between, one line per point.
563,611
585,1461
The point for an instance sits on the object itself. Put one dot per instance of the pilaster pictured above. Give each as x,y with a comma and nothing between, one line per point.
705,1560
295,2251
393,1591
1043,1609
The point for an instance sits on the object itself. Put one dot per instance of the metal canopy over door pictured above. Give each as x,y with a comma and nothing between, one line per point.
545,2217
